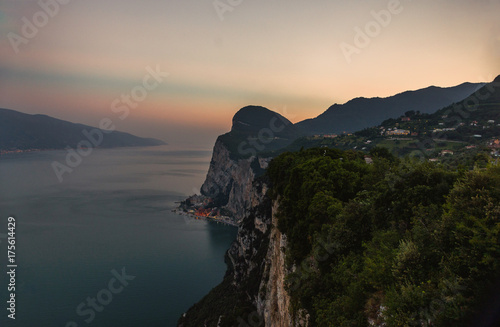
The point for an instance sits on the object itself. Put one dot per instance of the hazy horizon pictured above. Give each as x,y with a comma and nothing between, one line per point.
71,60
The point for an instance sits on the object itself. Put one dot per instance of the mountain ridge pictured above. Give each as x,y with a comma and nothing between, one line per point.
362,112
22,131
256,129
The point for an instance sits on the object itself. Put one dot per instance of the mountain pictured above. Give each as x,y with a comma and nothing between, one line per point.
478,114
20,131
241,154
361,112
257,129
464,127
259,134
264,285
482,104
252,119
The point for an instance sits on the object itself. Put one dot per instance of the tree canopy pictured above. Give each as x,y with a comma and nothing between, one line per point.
394,242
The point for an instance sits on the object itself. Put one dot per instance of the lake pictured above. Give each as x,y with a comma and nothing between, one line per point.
102,248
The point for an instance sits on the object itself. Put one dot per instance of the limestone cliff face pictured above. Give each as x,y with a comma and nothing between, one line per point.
257,257
258,261
273,302
238,156
229,181
218,182
247,253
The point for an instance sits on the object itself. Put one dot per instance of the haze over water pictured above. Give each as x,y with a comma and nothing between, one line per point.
112,212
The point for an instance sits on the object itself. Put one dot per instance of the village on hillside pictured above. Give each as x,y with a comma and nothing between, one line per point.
434,137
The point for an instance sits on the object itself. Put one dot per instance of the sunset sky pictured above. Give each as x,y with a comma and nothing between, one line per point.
295,57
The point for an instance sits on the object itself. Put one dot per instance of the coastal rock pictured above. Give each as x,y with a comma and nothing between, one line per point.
229,180
218,182
273,302
256,258
250,248
258,262
236,184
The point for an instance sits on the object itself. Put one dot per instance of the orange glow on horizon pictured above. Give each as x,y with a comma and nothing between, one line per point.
284,57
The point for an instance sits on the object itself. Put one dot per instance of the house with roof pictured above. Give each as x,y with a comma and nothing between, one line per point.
446,153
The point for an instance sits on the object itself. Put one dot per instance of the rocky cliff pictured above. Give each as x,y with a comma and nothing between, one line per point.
273,301
243,154
258,263
228,180
253,291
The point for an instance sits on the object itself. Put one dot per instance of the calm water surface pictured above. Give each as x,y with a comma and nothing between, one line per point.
113,212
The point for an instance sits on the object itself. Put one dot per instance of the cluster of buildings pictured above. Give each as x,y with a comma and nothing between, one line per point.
494,144
397,132
197,201
18,151
488,124
202,207
199,205
207,212
325,136
449,129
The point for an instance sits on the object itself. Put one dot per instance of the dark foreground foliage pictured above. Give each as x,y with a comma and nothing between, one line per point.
224,300
391,243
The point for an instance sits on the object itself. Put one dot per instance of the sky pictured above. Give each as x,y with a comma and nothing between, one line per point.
179,70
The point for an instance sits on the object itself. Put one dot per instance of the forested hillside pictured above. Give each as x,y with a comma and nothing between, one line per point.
390,242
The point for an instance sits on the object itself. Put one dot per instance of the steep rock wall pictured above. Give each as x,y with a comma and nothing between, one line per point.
229,181
256,260
273,301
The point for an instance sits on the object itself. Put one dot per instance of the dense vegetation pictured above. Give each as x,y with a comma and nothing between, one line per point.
394,242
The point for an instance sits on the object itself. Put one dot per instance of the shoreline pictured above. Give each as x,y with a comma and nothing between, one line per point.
205,218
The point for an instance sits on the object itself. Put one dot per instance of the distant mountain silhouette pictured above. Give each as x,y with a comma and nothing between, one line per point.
361,113
20,131
257,129
482,105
